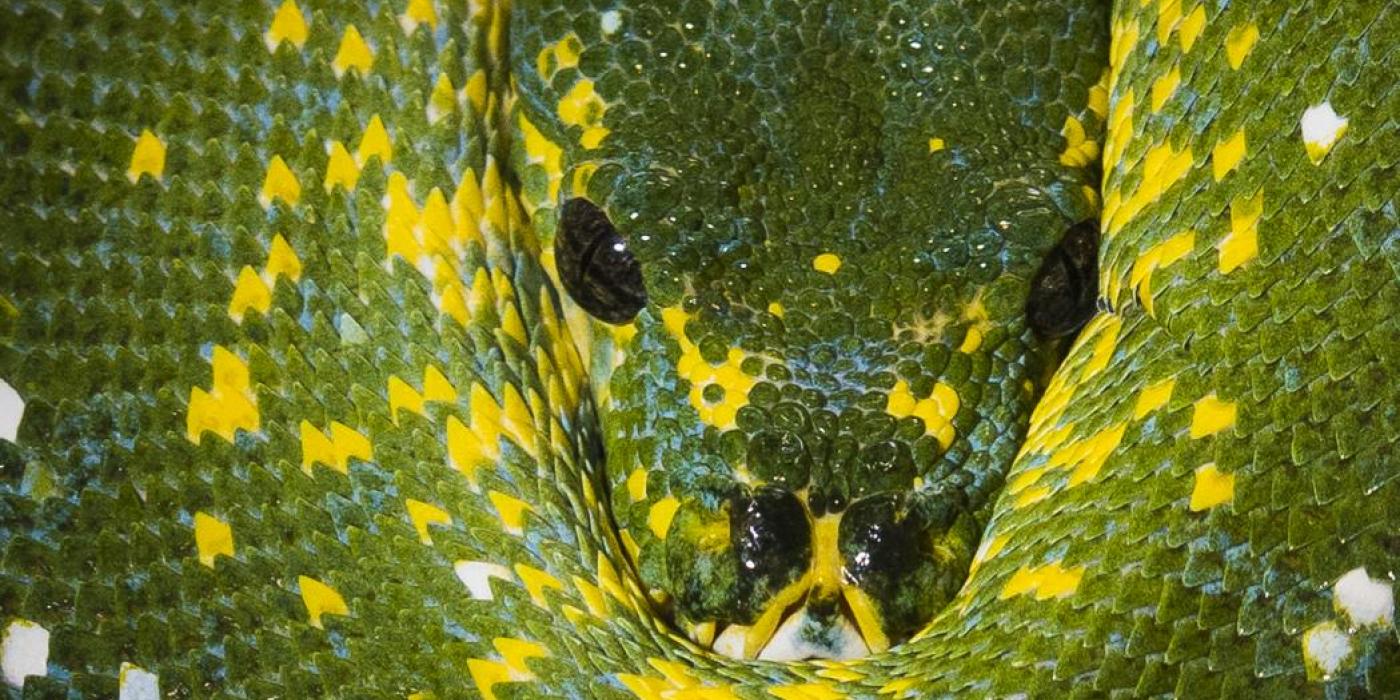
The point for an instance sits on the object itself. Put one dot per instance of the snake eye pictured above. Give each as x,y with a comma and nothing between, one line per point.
598,270
1064,288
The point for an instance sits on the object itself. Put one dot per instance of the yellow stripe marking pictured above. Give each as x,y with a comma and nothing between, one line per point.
424,514
1239,43
212,537
1227,155
1212,488
320,599
288,24
279,183
353,53
147,157
1211,416
1051,580
1191,28
1153,397
1241,245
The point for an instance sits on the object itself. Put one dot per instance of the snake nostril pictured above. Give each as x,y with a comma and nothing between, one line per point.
908,565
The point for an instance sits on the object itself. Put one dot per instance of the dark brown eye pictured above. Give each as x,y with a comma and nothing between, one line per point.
1066,285
595,265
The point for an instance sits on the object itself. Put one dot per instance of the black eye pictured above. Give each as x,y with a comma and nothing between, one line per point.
595,265
1063,291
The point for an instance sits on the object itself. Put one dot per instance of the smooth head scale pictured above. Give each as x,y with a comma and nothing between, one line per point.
821,243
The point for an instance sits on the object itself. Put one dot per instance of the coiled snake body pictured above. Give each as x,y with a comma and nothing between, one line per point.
293,401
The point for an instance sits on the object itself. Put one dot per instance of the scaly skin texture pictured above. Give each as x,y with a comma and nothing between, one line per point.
297,410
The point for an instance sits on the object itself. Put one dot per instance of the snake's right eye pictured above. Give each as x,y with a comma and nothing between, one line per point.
1065,288
595,265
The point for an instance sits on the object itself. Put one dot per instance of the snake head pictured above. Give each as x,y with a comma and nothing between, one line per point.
815,267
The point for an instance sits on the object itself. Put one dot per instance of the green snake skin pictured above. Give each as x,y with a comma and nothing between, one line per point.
292,403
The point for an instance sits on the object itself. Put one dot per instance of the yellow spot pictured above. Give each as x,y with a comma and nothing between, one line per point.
1107,341
1153,397
661,514
421,12
935,145
558,56
1239,42
989,549
1079,151
1155,258
540,150
729,374
288,24
1211,416
341,169
1212,488
937,410
513,669
805,691
582,107
1098,96
249,292
282,260
592,597
212,537
1044,582
279,183
1242,243
353,53
536,581
476,91
424,514
1120,130
403,396
828,263
1034,494
1168,14
637,484
1228,154
1164,87
320,599
228,406
374,142
1124,38
334,451
837,672
1191,28
1162,167
971,341
147,158
466,452
898,686
442,101
776,309
512,511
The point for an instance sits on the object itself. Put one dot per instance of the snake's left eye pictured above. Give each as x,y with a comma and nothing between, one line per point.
598,270
1064,289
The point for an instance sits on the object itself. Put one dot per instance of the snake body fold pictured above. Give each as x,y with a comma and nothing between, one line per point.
291,403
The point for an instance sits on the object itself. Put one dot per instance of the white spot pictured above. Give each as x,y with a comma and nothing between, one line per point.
11,410
476,575
24,652
730,642
1321,128
1326,647
609,21
1363,599
790,643
136,683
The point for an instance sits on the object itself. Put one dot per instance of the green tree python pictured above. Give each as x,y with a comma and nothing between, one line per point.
683,349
